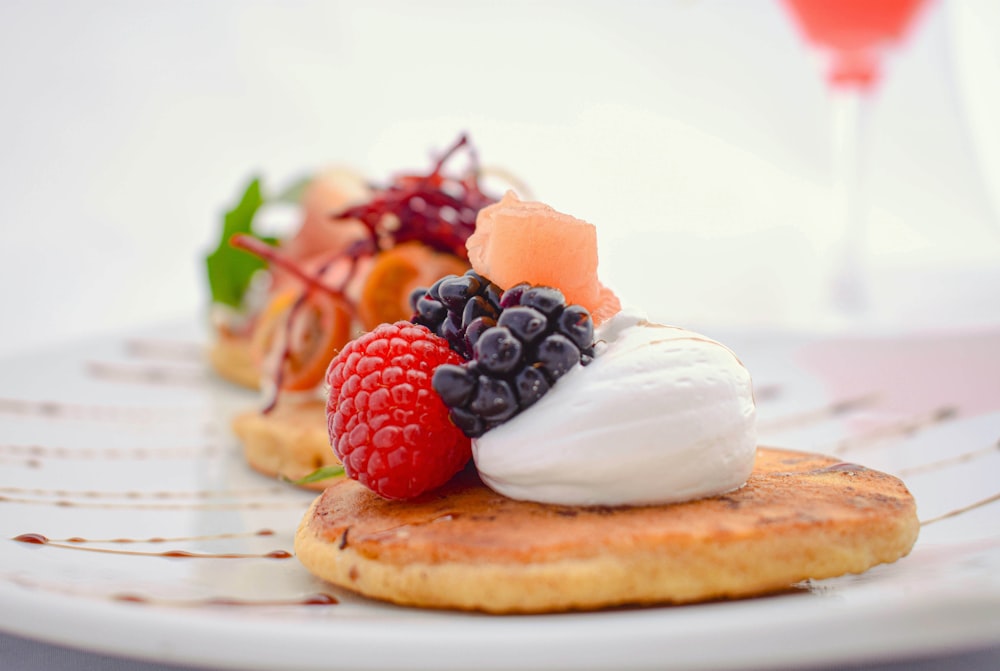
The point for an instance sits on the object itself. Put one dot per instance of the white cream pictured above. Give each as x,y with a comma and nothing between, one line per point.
661,415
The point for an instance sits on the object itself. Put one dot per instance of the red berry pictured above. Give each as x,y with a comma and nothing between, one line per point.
387,424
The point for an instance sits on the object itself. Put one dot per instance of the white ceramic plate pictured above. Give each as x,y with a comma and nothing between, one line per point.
127,439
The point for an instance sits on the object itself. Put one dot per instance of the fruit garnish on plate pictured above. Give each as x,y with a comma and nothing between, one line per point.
360,252
421,222
395,274
614,460
509,348
244,287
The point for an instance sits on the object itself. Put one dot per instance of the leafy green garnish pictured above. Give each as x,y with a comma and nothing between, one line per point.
322,473
230,269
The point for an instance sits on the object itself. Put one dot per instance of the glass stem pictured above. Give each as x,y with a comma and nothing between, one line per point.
848,290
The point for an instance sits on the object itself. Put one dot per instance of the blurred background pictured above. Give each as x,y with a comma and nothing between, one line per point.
695,134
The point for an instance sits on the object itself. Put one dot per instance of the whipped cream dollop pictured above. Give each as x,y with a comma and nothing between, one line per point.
661,415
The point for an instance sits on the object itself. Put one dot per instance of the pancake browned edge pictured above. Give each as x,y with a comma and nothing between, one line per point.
800,516
291,441
229,356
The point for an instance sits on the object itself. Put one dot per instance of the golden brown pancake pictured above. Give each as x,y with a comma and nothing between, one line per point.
229,356
466,547
291,441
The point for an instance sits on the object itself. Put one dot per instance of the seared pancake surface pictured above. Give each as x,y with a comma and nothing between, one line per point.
800,516
230,357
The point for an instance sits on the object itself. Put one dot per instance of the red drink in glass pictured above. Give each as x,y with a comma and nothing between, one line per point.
855,32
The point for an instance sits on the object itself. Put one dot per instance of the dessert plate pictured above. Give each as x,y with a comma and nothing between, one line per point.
129,523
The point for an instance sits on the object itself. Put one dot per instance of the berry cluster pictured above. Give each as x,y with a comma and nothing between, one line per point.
405,398
535,340
458,308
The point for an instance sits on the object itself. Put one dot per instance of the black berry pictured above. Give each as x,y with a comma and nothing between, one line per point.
453,303
455,384
517,351
531,385
575,323
498,351
527,323
494,399
545,299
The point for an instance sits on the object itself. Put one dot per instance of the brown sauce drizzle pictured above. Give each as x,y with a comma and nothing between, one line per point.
23,463
132,505
35,452
318,599
148,374
950,461
39,539
181,375
964,509
171,369
831,411
98,413
139,495
172,350
902,429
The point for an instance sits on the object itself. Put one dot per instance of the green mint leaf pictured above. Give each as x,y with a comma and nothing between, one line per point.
322,473
230,269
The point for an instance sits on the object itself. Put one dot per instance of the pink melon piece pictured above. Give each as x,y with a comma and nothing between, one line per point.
329,192
523,241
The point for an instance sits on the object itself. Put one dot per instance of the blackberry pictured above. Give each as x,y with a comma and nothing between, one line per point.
459,308
571,321
535,340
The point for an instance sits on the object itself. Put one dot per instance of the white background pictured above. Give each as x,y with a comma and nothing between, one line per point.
693,133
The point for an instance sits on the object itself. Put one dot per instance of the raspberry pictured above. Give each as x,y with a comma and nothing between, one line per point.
387,425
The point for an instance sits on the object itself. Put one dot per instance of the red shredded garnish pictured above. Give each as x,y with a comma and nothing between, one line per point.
436,209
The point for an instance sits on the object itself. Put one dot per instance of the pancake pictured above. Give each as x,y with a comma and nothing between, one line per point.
229,356
290,442
465,547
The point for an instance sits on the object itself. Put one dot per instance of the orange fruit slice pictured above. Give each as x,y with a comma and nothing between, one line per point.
268,324
302,349
396,272
524,241
320,328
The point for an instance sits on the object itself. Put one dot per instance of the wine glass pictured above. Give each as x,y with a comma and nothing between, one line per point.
854,35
